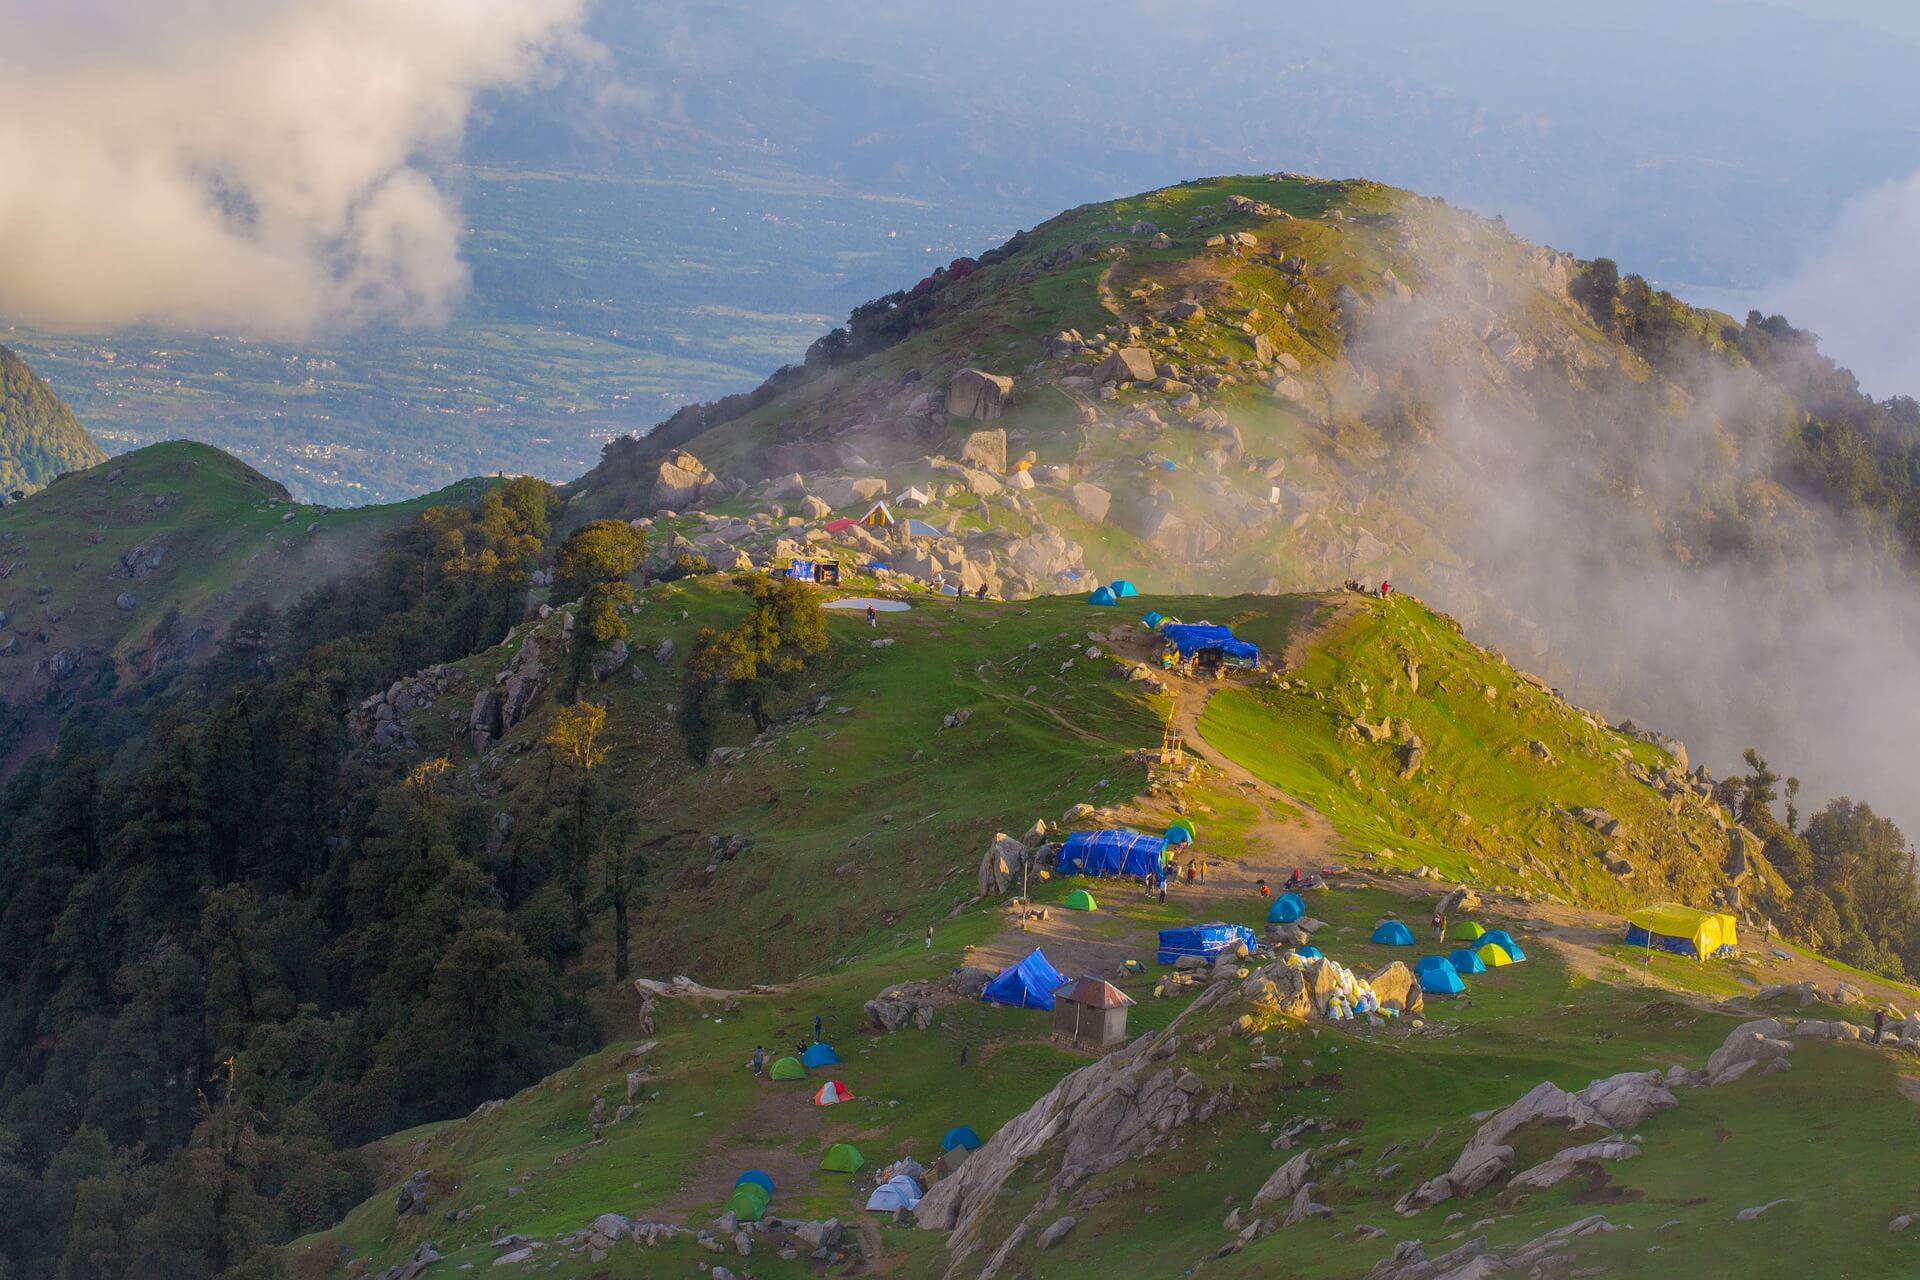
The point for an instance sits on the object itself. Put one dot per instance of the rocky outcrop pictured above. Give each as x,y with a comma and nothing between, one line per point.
986,450
1747,1047
1618,1102
975,393
679,482
1090,502
1398,988
1128,364
1116,1109
1000,865
1564,1164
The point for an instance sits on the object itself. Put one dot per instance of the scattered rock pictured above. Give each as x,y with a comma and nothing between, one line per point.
975,393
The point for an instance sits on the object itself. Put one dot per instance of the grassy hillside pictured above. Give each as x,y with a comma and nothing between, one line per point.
147,559
867,820
39,436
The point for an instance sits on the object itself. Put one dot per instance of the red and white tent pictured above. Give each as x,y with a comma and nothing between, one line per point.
831,1092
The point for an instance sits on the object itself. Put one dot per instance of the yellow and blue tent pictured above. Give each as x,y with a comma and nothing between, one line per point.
1685,931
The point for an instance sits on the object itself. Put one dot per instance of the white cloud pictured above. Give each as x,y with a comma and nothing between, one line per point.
244,162
1857,288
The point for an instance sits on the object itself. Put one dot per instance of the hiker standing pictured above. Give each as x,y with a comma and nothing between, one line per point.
816,1028
1163,891
1439,927
963,1055
759,1059
1879,1024
1203,871
929,937
873,616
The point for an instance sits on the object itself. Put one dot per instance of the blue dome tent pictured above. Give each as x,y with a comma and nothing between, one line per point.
1117,852
1122,588
1286,908
1178,835
1205,940
819,1055
1030,984
1437,976
1392,933
756,1177
960,1136
1467,962
1309,953
1104,595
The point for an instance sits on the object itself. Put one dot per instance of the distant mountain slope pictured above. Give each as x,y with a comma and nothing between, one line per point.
148,559
39,436
1273,383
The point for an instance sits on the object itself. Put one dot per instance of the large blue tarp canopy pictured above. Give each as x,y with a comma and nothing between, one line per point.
1193,637
1029,984
1203,940
1118,852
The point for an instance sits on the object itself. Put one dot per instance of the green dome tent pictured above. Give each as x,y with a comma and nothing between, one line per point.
842,1157
1080,900
748,1202
1465,931
788,1068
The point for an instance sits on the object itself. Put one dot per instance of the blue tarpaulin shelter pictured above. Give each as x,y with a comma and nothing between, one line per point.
1191,638
1286,908
819,1055
1203,940
1118,852
1392,933
960,1136
920,529
1029,984
1122,588
1104,595
1467,961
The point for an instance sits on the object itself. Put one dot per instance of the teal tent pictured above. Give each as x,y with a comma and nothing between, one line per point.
1104,596
1392,933
819,1055
1286,908
960,1136
1309,953
1466,961
1504,940
1438,977
1152,620
1122,588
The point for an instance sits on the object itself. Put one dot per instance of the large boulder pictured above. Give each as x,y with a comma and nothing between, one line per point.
1746,1047
975,393
1286,1181
681,481
1128,364
1090,502
986,450
1565,1164
847,491
1398,988
1000,866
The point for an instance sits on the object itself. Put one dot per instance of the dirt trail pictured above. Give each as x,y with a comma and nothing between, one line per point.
782,1113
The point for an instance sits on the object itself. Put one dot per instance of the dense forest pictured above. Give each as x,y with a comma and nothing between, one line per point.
39,436
232,960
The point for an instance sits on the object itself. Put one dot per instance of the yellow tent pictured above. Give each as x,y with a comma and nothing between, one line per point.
1494,955
1685,931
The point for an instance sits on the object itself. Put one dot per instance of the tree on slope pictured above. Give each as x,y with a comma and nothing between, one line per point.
751,662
